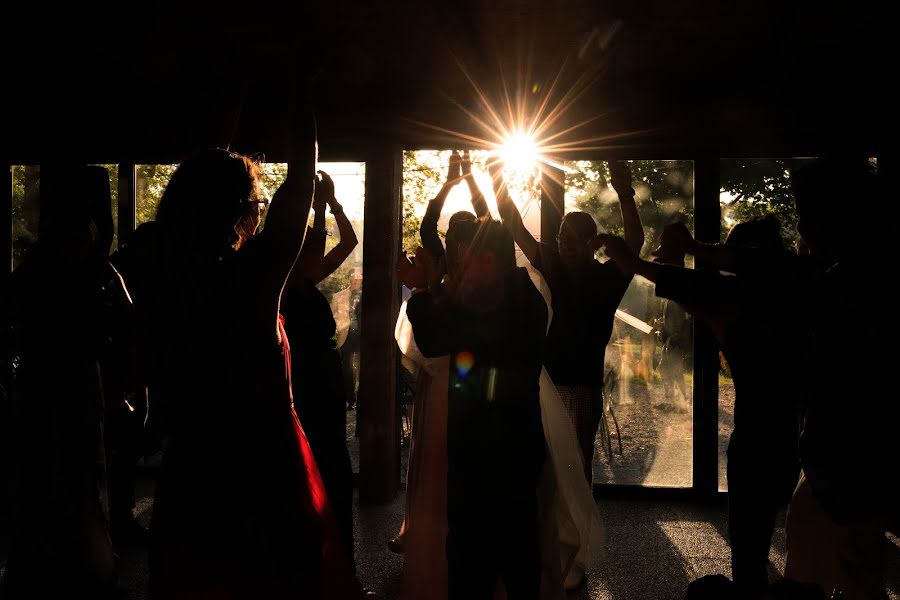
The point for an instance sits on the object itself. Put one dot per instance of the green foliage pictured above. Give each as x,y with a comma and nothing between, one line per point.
150,183
758,187
25,208
423,175
424,172
114,207
664,193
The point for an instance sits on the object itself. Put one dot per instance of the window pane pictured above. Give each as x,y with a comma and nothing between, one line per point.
343,288
114,208
26,209
150,183
751,188
646,432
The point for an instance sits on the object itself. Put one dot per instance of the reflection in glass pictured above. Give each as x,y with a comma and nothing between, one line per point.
646,433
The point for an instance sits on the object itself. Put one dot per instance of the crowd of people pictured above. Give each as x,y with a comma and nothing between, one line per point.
209,332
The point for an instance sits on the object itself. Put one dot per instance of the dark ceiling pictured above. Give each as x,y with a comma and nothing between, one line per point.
668,79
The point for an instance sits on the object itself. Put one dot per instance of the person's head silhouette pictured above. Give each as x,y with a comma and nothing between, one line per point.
824,192
763,232
213,201
481,253
76,217
575,233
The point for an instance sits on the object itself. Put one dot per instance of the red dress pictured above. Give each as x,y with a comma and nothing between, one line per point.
240,509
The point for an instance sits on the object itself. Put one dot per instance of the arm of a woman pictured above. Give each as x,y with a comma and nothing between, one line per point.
269,257
428,232
478,201
510,216
337,255
620,175
312,253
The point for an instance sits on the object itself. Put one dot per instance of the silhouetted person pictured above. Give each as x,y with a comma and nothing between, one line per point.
67,304
585,295
240,510
847,494
749,312
136,260
125,400
425,475
317,382
492,326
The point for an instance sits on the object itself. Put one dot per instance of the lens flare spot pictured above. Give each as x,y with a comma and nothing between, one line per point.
464,363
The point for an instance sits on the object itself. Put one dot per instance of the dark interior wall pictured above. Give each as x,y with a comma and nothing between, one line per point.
150,83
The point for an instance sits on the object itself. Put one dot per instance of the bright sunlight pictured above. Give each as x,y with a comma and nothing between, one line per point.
519,153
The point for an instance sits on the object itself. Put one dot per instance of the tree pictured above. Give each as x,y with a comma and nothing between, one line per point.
664,193
150,183
753,188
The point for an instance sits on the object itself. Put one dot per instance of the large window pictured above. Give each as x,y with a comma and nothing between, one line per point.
646,433
648,370
343,288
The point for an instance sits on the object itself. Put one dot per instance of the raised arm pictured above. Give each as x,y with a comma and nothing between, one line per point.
276,249
478,201
620,176
676,236
431,241
510,216
313,251
337,255
710,291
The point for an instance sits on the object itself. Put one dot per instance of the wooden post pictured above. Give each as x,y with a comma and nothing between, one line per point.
379,472
6,225
553,201
707,223
6,234
126,201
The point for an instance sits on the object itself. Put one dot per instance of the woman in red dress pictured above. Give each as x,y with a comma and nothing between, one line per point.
240,508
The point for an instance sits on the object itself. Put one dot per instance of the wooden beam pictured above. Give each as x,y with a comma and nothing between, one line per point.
553,201
377,412
127,195
707,219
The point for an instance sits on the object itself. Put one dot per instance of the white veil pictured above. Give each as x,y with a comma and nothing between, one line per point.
580,528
